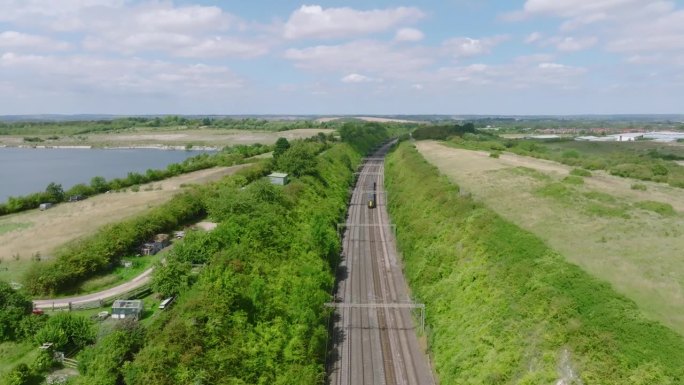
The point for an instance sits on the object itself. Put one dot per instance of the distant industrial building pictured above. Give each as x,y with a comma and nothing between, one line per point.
627,137
664,136
122,309
543,137
278,178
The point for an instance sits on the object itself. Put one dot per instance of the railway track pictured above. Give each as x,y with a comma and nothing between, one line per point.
375,339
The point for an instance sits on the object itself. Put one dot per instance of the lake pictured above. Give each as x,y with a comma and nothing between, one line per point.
28,170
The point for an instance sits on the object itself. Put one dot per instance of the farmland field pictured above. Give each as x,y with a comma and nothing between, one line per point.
628,237
35,232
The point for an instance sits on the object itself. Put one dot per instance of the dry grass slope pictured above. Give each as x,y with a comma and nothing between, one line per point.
610,230
42,231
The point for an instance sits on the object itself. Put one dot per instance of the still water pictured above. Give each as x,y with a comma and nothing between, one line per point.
28,170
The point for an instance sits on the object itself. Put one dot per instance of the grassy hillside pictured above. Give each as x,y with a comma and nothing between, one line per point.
626,237
503,308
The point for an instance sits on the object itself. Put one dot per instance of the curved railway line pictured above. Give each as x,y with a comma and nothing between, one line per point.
375,339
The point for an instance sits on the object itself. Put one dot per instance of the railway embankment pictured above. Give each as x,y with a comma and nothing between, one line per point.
504,307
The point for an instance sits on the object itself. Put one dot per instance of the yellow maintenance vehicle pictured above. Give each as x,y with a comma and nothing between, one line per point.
372,197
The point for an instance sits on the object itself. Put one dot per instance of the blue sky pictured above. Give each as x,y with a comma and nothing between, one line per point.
354,57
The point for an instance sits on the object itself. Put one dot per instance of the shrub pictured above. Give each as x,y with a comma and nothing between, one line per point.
495,154
14,307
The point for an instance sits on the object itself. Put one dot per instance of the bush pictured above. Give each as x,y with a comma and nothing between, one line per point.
14,307
495,155
66,329
20,375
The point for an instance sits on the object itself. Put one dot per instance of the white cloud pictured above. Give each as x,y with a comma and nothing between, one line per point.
625,25
122,27
189,18
13,40
357,78
462,47
83,73
316,22
409,35
187,31
535,58
571,44
62,15
572,8
379,59
533,37
516,75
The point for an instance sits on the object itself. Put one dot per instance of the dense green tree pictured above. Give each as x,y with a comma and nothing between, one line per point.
54,193
171,278
67,329
80,189
298,160
99,184
281,145
101,364
14,307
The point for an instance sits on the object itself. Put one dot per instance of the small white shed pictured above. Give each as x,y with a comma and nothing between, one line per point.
278,178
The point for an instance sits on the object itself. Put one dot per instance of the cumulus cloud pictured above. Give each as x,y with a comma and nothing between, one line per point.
571,44
361,57
516,75
122,27
629,26
186,31
134,76
357,78
316,22
18,41
463,47
409,35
